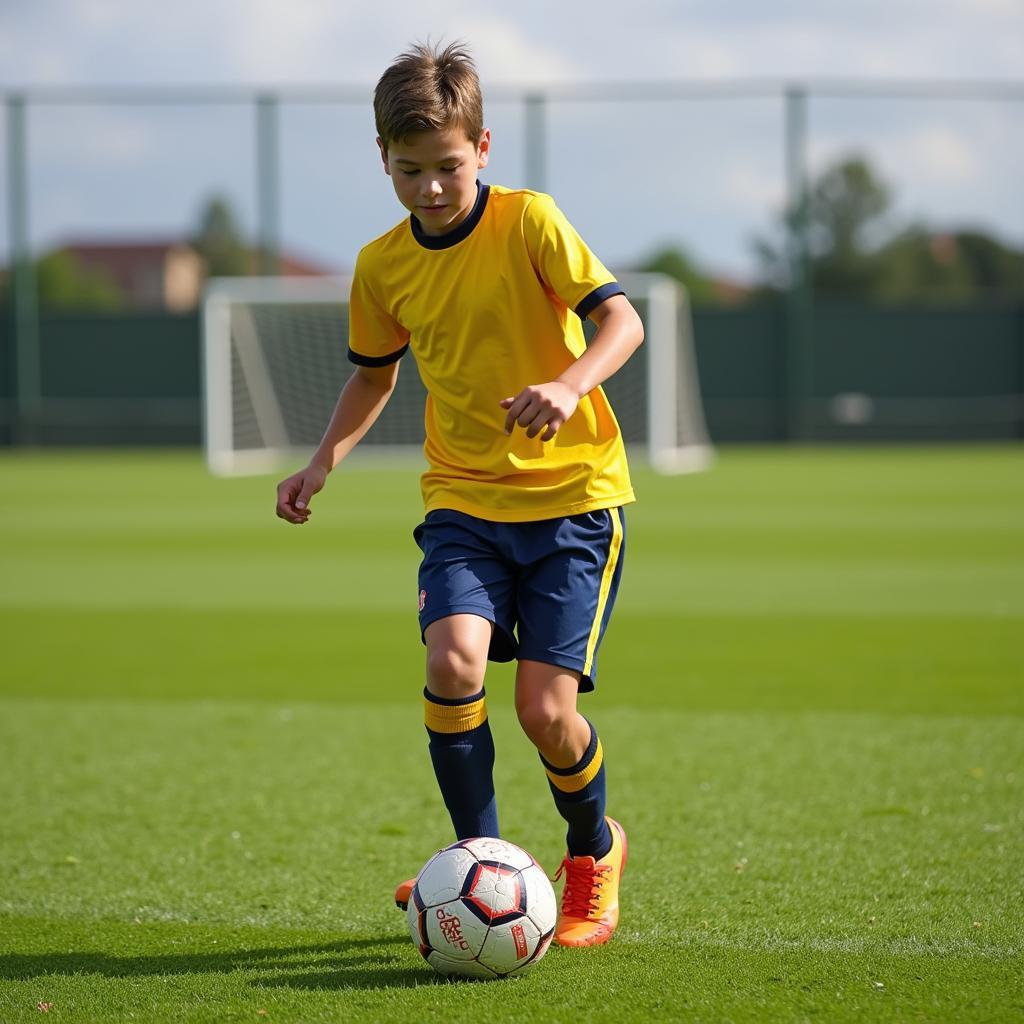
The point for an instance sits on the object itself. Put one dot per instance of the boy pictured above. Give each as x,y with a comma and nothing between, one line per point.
522,538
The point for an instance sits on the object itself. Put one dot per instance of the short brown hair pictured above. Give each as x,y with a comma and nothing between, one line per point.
429,88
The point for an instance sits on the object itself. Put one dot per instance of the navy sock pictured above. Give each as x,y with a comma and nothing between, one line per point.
579,794
462,752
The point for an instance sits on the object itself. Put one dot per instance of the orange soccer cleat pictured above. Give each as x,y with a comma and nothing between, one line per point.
590,901
402,894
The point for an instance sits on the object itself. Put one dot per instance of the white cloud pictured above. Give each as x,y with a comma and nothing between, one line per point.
76,137
505,52
100,14
1010,10
746,190
270,42
943,153
923,144
323,40
49,64
937,156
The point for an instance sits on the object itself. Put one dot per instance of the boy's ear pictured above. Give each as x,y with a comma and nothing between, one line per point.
483,148
383,154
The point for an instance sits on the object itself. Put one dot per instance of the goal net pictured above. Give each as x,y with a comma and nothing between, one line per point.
275,360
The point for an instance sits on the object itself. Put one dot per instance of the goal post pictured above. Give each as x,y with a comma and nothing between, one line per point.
275,359
677,434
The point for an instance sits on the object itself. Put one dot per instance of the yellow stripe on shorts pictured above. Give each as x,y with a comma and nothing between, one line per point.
450,718
574,783
606,585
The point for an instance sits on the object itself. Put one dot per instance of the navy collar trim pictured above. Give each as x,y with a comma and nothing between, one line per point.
459,234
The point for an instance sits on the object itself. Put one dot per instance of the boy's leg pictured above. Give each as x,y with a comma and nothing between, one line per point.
455,714
466,616
570,751
573,758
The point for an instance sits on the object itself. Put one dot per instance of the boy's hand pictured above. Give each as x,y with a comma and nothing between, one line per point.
294,493
541,407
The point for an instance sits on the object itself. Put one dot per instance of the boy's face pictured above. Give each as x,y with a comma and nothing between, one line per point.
434,174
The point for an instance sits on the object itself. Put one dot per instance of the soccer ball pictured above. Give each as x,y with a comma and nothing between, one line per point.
482,908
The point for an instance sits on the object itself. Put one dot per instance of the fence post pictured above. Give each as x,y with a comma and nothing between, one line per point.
1019,425
535,142
799,341
268,183
24,303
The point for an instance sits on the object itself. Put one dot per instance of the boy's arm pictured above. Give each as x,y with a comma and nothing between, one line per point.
547,406
360,403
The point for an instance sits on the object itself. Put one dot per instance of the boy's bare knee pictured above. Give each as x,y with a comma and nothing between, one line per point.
543,722
453,673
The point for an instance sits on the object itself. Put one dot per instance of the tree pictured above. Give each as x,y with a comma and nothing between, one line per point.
676,263
915,264
845,215
854,250
63,282
920,264
991,267
842,220
219,240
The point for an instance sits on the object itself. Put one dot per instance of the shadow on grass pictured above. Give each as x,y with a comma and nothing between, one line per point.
347,963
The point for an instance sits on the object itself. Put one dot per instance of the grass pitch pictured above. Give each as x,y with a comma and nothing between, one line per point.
810,698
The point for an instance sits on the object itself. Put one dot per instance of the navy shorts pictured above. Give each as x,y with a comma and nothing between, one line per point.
548,586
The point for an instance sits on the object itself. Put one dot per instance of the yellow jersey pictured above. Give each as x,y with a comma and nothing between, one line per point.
487,309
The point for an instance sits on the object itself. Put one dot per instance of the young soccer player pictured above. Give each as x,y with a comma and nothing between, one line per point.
523,535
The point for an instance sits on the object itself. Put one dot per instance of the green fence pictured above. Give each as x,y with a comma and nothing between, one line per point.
108,380
875,374
731,152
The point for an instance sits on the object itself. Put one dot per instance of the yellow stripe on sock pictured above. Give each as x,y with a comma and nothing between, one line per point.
450,718
574,783
606,585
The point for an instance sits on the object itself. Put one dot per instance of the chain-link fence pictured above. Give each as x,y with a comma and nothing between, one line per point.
706,167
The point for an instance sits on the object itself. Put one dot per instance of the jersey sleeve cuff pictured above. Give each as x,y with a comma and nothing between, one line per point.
392,357
597,296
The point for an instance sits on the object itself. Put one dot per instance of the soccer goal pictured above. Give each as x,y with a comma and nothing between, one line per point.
275,359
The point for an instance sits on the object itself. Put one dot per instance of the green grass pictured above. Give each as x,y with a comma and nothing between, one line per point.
810,698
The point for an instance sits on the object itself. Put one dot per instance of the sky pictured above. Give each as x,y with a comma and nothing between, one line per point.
708,174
